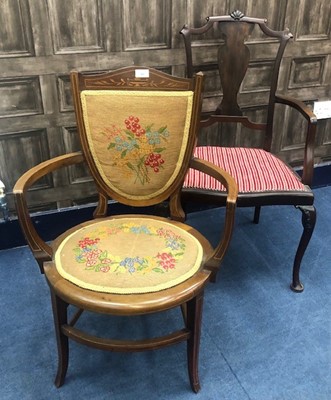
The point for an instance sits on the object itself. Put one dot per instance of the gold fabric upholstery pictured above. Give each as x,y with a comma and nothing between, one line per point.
128,255
136,149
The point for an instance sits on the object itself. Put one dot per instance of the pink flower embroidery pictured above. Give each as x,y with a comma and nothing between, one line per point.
91,262
166,260
87,242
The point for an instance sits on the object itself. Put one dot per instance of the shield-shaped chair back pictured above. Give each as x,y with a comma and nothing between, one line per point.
138,128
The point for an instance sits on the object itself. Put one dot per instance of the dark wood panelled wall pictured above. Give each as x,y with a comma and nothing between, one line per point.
42,40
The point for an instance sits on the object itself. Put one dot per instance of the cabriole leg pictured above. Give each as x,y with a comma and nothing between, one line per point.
308,223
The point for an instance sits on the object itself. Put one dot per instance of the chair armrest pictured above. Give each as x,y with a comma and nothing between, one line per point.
232,194
298,105
307,113
41,250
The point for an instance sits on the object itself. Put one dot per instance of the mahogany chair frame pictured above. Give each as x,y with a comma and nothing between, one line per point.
233,60
187,295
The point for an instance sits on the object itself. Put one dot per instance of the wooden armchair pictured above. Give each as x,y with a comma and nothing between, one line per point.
137,128
263,179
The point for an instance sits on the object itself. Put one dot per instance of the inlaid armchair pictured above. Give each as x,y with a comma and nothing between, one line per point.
137,128
231,139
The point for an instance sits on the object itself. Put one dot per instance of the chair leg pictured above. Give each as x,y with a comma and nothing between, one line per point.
257,212
60,318
308,223
194,316
183,308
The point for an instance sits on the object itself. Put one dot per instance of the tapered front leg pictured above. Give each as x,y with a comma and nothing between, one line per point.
308,223
60,318
194,317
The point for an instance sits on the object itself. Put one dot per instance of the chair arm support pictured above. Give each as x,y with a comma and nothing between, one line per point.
298,105
232,190
40,249
219,174
307,113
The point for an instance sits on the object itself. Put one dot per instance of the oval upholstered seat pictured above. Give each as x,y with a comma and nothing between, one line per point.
126,255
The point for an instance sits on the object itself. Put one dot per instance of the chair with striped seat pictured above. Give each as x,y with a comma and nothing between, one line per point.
222,48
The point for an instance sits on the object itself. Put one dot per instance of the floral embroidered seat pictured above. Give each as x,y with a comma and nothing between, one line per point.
129,255
137,135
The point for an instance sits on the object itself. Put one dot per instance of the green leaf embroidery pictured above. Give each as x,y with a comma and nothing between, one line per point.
159,149
158,270
129,133
103,255
162,129
111,145
148,127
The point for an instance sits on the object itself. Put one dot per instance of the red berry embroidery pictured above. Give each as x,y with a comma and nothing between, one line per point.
154,161
132,124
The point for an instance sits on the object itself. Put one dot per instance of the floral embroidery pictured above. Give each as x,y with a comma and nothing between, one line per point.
139,148
88,253
167,261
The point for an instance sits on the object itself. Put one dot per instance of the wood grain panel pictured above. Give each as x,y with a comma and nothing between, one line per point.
19,97
258,77
314,22
247,137
77,173
198,11
76,26
297,125
153,30
15,29
20,151
64,90
323,148
307,72
327,132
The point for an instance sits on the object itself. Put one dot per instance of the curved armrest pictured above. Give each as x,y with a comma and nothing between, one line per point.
41,250
308,161
232,189
299,106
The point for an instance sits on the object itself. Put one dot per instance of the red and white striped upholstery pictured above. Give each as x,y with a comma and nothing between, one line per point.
255,170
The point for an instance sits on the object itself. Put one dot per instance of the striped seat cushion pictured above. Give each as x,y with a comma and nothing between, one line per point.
255,170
